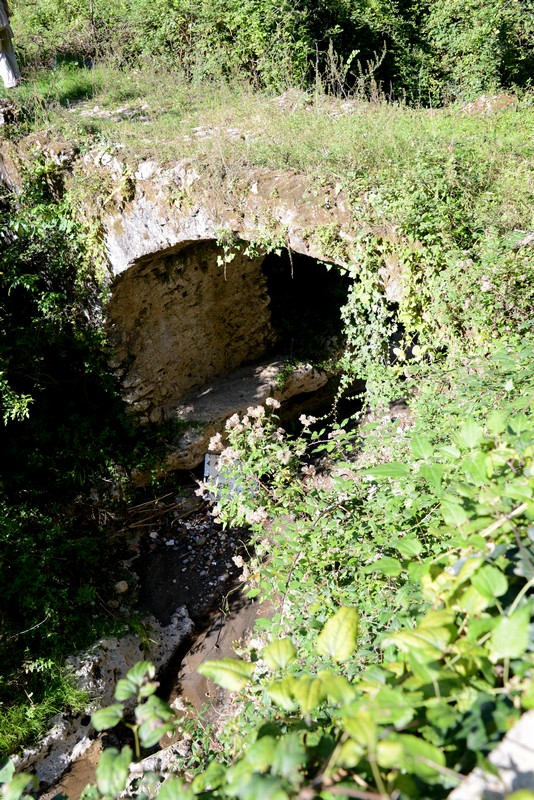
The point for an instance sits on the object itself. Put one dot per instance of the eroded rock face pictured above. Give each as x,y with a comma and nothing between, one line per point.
181,319
97,672
160,208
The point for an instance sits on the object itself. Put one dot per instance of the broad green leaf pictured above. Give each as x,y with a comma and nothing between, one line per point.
213,776
7,770
472,601
289,756
424,665
474,468
107,717
509,638
361,726
479,627
452,512
430,642
390,707
395,469
230,673
406,752
518,489
281,693
336,687
155,718
154,709
424,756
148,688
437,618
421,447
390,754
125,689
151,731
490,582
260,754
260,787
497,421
350,754
263,624
386,566
112,770
174,789
443,717
527,698
18,785
409,546
433,473
471,434
309,693
520,423
279,653
338,637
140,671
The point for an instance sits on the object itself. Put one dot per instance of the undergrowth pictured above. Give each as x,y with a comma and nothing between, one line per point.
400,558
67,447
21,723
400,554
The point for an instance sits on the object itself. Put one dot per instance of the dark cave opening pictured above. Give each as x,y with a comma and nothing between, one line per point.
306,297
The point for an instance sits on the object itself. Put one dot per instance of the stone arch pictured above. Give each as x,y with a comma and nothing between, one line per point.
196,337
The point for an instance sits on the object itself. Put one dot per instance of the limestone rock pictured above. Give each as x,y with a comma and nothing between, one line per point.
97,672
513,760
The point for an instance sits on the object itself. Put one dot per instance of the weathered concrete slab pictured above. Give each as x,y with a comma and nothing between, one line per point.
514,760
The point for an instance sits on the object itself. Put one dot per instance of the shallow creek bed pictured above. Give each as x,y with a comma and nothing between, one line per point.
183,565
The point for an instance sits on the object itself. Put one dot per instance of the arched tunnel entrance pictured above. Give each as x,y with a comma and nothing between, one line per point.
181,320
305,301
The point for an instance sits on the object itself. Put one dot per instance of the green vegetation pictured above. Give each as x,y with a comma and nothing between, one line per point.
57,437
55,692
400,552
424,51
402,652
66,447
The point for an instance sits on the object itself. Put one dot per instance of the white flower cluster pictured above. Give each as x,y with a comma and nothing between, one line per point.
256,412
272,403
228,456
285,456
216,444
257,517
234,423
308,470
240,564
336,434
307,421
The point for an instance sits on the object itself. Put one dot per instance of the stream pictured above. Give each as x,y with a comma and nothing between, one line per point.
183,558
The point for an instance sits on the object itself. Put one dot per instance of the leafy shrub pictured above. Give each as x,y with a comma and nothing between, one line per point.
436,548
431,558
481,48
424,51
61,434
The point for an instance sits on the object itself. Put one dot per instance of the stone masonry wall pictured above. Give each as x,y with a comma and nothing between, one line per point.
177,320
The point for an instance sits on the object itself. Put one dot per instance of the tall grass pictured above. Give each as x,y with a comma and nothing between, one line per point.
25,721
